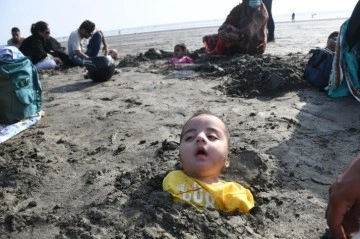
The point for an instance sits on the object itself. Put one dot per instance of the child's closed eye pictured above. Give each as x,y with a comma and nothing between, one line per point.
189,138
212,137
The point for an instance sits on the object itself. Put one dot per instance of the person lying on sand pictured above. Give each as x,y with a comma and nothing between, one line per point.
204,150
113,53
181,55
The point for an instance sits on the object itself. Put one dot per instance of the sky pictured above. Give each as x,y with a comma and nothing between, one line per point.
64,16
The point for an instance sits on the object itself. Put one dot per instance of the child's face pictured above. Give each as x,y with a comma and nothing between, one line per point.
113,53
204,148
178,52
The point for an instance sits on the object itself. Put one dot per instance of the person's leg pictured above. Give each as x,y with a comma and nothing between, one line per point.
45,64
353,30
77,61
64,57
93,48
270,23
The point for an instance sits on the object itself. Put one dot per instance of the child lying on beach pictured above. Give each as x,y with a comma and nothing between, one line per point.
113,53
204,149
180,55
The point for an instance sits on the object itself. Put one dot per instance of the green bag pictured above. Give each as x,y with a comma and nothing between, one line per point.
20,90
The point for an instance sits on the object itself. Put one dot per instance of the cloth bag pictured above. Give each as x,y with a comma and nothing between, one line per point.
20,87
318,69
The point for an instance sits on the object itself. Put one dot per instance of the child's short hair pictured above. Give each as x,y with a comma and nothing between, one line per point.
113,53
207,112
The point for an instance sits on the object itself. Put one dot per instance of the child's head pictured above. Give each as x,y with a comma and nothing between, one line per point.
204,146
331,42
113,53
180,51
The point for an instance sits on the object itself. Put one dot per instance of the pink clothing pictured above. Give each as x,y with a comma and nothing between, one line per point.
182,60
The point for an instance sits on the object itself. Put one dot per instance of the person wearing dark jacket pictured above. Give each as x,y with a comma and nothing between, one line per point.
35,47
57,50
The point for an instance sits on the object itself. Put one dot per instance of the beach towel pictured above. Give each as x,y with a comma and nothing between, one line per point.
9,131
344,78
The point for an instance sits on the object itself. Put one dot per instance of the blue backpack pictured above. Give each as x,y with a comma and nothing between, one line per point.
20,90
318,69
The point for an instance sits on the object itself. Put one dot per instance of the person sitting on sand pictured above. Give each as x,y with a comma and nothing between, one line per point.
244,31
16,38
345,75
204,150
77,42
36,49
57,50
181,55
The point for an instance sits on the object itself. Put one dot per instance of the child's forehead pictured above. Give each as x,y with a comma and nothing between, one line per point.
207,121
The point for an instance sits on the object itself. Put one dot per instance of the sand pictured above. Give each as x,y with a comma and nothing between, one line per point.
93,166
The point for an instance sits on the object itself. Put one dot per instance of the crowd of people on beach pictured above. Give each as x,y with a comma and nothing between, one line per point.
246,30
204,140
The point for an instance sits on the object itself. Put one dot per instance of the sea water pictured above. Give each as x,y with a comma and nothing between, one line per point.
278,18
307,16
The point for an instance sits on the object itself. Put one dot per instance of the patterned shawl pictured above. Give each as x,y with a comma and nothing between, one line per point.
244,30
344,77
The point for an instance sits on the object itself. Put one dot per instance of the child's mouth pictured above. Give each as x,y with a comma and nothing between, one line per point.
201,152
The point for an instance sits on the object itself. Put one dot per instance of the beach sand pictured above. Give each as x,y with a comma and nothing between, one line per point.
93,166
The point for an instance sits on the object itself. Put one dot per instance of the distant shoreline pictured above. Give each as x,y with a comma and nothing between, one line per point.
64,39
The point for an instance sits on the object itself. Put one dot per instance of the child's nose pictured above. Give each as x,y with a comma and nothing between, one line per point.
200,138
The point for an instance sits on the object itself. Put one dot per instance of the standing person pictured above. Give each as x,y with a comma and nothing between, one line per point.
35,47
293,16
16,39
77,43
204,151
270,23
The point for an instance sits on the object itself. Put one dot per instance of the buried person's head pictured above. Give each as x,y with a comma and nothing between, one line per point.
204,146
204,149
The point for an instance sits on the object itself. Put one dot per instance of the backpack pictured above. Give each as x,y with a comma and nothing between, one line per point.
20,90
318,69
